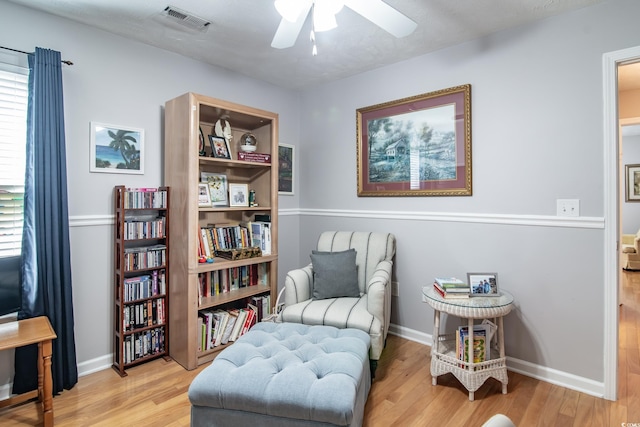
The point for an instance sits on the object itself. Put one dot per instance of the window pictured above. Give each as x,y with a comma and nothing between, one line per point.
13,134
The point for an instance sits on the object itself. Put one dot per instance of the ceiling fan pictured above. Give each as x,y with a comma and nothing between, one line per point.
294,14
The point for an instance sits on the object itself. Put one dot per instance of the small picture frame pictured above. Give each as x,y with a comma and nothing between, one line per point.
204,197
239,195
217,187
285,169
201,151
219,147
483,284
632,183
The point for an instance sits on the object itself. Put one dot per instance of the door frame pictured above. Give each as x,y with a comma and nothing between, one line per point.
610,62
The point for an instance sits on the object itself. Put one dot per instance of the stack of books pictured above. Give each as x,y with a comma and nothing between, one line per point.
450,287
481,347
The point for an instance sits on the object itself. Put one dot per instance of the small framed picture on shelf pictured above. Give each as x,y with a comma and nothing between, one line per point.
201,151
219,147
483,284
204,198
238,195
217,187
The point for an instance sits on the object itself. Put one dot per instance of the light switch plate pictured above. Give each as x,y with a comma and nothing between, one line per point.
568,207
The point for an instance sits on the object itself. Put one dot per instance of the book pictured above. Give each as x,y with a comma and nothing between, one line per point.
450,282
231,323
237,328
223,318
481,348
447,294
252,312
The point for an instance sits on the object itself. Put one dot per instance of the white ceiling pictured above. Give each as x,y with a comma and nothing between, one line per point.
241,31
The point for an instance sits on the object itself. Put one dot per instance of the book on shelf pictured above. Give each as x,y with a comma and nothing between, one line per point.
145,198
241,316
252,313
231,323
222,318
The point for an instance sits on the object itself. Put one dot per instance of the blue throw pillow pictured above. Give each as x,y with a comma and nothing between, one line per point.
335,274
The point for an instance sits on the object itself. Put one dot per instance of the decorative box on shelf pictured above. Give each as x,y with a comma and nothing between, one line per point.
239,253
254,157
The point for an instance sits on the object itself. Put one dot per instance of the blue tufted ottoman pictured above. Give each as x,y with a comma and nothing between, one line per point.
285,374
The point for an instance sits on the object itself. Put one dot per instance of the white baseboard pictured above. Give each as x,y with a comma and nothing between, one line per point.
95,365
84,368
542,373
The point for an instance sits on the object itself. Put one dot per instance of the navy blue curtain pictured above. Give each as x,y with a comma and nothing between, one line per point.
46,254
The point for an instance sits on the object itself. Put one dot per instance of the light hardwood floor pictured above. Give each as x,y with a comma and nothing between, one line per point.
155,394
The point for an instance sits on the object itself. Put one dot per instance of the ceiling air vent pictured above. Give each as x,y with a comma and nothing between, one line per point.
186,19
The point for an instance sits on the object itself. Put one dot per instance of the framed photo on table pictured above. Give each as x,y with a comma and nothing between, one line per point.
417,146
238,195
219,147
483,284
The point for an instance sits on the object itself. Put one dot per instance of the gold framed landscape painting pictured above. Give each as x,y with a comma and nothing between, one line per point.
416,146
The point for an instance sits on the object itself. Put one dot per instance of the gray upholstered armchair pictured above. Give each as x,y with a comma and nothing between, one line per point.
320,293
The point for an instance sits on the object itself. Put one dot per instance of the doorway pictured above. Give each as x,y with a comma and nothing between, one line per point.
612,214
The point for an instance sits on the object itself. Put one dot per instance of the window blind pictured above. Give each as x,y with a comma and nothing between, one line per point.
13,134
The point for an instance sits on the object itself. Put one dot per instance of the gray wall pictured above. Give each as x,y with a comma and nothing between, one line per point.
118,81
537,136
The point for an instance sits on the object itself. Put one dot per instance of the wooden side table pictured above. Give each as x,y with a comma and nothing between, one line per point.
443,351
25,332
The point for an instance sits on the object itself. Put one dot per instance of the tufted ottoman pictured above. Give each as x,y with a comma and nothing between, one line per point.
285,374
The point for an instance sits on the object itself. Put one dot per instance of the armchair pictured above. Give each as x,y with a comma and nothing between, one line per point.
369,310
631,251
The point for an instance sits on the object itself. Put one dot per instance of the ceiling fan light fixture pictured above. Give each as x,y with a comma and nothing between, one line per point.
323,21
324,14
291,9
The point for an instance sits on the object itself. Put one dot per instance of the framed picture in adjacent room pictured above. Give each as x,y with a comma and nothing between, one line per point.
116,149
416,146
286,169
483,284
632,183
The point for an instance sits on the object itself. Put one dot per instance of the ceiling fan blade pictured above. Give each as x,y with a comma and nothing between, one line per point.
383,16
288,32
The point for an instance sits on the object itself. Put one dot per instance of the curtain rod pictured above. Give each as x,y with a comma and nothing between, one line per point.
27,53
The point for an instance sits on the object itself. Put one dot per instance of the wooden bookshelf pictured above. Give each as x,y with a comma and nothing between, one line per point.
186,118
141,275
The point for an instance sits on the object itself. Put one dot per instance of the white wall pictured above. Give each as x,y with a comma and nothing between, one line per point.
117,81
537,135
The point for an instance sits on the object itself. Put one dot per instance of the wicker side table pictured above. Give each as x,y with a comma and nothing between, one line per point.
443,351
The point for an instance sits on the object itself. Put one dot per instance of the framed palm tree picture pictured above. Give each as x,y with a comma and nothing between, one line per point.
116,149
